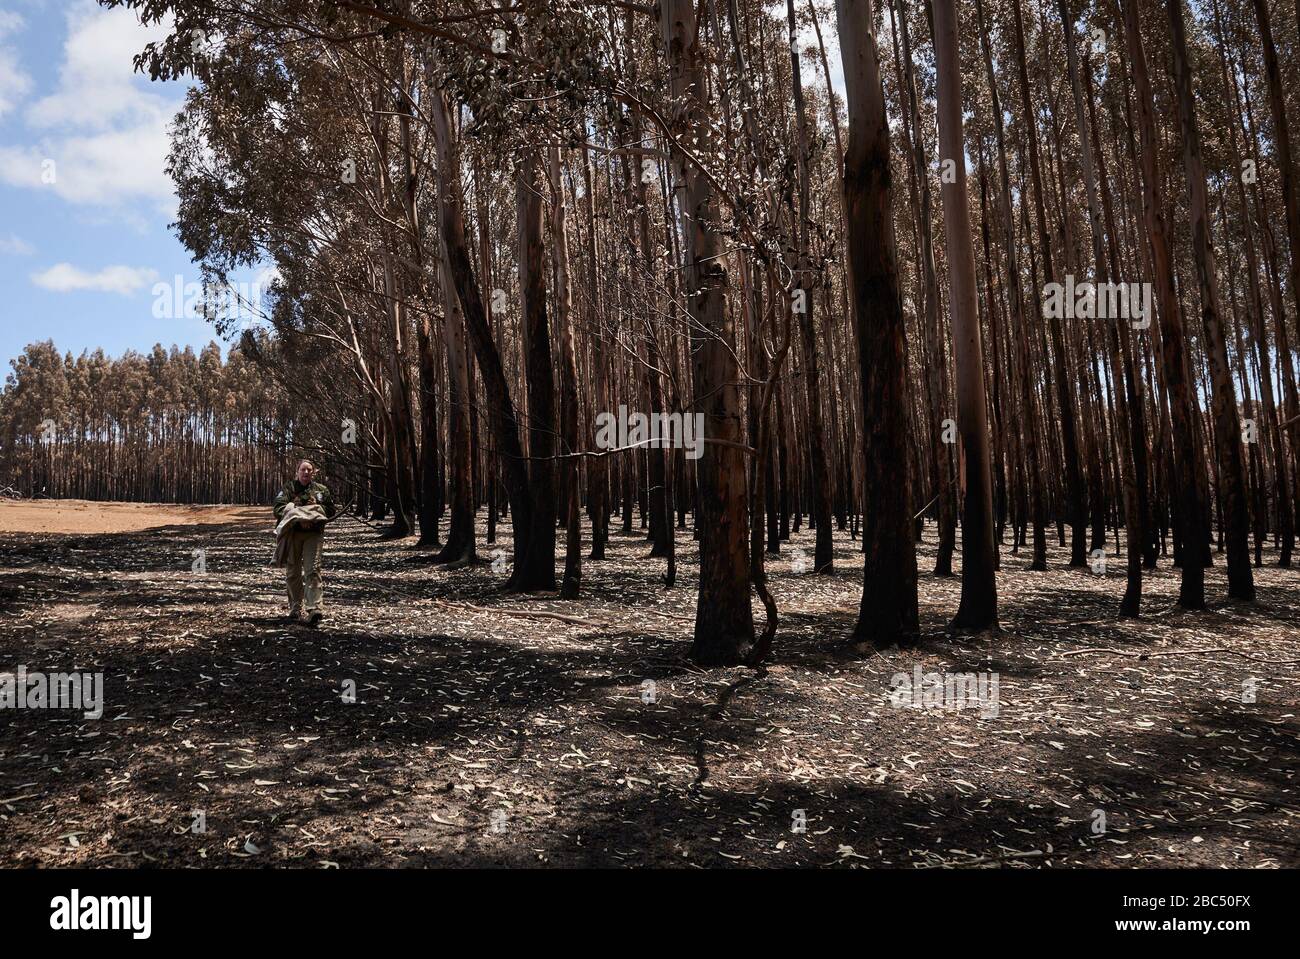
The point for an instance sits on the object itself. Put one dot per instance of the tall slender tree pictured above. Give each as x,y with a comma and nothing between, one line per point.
888,612
979,597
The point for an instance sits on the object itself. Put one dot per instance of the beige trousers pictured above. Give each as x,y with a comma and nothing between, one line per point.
302,568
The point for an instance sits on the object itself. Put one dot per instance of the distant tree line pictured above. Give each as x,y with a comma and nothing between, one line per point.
167,426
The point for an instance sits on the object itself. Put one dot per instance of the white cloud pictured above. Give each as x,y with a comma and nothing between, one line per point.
15,84
64,278
101,169
14,245
97,87
104,130
10,22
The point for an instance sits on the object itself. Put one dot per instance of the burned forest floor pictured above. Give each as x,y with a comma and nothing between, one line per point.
490,729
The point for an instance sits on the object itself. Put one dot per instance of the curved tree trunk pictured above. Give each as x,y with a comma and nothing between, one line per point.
504,423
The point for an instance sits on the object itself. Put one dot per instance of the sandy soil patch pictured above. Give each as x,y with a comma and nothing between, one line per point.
82,516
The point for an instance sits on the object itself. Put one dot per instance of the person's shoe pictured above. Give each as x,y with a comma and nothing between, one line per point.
314,617
294,616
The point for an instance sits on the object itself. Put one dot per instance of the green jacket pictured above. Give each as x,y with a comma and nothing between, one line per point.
296,493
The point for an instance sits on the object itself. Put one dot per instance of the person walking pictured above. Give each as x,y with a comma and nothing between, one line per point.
302,509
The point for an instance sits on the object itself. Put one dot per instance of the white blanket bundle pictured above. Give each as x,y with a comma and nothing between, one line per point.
310,515
296,517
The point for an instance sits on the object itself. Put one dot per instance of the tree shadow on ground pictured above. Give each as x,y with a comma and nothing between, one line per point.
465,721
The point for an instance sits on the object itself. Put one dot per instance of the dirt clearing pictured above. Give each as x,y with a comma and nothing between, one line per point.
83,516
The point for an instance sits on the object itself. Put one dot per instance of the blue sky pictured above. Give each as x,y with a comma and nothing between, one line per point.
80,256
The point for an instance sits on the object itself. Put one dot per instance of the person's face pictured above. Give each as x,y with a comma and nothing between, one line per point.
305,472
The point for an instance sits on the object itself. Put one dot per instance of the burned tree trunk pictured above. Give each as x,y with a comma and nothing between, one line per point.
888,611
979,596
1227,425
724,621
